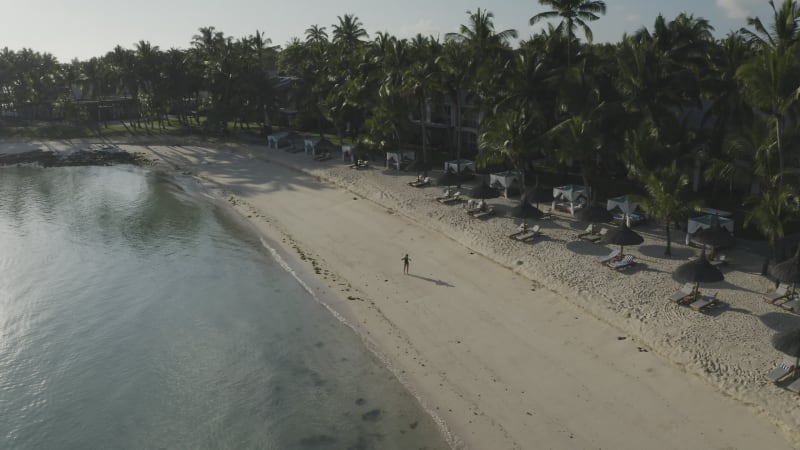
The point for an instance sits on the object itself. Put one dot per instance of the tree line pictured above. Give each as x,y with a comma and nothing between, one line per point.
668,105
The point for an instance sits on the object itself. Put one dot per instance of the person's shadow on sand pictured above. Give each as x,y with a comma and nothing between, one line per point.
436,282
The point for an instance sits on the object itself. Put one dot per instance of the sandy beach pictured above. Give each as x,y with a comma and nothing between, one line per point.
512,345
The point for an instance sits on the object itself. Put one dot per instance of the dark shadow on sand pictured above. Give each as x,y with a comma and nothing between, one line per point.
582,247
781,321
657,251
432,280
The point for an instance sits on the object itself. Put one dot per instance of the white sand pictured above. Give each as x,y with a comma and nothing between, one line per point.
517,345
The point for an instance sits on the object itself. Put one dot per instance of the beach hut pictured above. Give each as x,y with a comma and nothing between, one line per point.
347,153
398,159
278,140
318,145
623,207
570,197
459,164
705,222
624,203
504,181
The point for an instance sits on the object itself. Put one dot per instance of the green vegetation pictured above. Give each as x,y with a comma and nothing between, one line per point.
668,112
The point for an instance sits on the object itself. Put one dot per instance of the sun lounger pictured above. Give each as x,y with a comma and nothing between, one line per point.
705,301
420,183
780,293
534,232
684,293
589,231
795,386
608,257
448,200
782,370
488,213
360,164
595,237
720,260
792,305
623,263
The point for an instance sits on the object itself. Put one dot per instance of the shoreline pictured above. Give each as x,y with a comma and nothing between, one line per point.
639,323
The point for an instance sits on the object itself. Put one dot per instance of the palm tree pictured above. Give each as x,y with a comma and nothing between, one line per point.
748,157
770,211
487,51
574,14
770,83
785,27
316,35
349,32
508,136
664,199
421,80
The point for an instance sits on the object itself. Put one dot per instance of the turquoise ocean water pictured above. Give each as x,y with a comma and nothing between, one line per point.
135,313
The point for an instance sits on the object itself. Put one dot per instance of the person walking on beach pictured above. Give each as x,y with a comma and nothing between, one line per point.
405,259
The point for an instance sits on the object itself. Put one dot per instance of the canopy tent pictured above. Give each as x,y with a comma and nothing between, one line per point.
318,145
456,163
504,180
705,222
347,153
696,223
570,197
624,203
278,140
398,158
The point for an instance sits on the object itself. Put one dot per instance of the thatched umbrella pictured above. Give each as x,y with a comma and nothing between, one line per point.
623,236
714,237
448,179
699,271
418,166
594,213
788,271
526,211
483,191
538,196
788,342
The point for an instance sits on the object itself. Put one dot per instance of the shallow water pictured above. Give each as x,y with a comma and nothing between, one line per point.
134,313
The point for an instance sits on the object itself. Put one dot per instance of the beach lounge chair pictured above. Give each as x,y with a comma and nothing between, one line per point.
684,293
782,370
533,233
420,183
604,259
623,263
795,386
719,260
589,231
596,237
793,304
360,164
705,301
488,213
780,293
449,200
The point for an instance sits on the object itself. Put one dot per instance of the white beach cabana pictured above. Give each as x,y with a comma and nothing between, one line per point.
624,203
456,163
504,181
347,153
394,159
625,209
570,197
278,140
318,145
696,224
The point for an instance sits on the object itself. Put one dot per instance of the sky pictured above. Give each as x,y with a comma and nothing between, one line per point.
85,28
